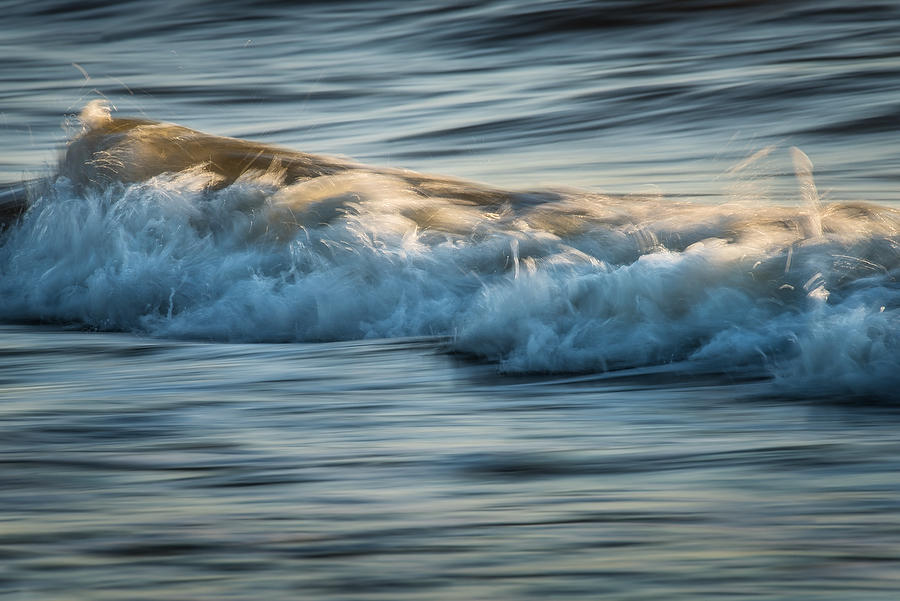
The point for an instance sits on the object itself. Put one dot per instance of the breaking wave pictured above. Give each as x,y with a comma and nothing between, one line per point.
161,230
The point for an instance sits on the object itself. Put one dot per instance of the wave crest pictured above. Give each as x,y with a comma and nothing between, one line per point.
159,229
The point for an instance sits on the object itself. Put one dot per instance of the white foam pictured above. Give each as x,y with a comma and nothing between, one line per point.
577,283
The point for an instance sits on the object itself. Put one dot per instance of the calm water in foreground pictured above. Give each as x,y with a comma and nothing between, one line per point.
653,355
141,469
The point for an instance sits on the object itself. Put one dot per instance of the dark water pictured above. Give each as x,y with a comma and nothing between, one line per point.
653,355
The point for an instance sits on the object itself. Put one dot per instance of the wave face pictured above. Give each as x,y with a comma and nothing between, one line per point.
161,230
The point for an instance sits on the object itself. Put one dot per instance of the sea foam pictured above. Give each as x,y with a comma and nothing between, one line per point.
540,281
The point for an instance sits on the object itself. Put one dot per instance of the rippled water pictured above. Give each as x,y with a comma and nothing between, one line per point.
136,469
653,354
607,95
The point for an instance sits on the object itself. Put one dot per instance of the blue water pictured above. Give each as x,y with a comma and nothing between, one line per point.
635,336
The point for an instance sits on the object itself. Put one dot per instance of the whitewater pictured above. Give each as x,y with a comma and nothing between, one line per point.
163,231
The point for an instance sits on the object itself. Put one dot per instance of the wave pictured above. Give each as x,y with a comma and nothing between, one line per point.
162,230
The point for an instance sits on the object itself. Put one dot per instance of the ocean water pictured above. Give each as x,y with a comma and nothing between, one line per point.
487,300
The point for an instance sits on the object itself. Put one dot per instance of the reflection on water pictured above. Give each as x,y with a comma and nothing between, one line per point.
143,469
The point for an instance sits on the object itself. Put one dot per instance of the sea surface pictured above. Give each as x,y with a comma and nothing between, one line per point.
450,301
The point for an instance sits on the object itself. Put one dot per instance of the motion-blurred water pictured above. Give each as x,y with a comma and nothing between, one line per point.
607,95
652,355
